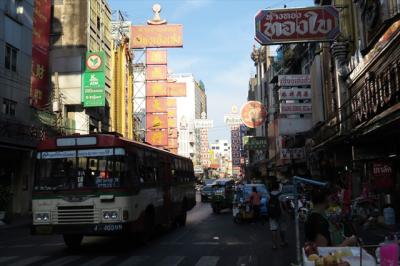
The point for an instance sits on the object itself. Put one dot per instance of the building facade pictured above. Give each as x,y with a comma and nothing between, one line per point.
79,27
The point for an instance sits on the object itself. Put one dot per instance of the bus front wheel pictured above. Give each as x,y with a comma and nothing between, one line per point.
73,241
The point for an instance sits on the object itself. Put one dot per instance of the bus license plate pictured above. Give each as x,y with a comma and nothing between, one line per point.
108,228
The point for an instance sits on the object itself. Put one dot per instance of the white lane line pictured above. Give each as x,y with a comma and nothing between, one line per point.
62,261
134,261
27,261
4,259
206,243
171,261
98,261
208,261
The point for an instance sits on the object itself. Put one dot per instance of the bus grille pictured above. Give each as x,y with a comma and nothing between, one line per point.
75,215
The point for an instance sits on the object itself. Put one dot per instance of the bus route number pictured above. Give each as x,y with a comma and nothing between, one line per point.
108,227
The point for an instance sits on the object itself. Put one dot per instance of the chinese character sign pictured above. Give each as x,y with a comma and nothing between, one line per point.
156,72
40,53
297,25
156,57
156,121
156,105
157,137
235,146
156,36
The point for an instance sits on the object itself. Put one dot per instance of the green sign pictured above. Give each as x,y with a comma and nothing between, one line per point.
255,143
95,61
93,89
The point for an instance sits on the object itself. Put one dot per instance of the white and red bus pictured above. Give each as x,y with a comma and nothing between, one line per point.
104,184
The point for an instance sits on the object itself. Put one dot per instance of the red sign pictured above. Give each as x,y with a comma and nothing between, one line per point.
156,121
156,36
157,137
40,53
253,114
156,72
297,25
156,105
156,57
166,89
382,172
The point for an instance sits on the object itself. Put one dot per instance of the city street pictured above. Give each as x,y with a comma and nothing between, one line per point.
207,240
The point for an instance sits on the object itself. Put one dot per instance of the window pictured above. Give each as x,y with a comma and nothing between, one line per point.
9,107
10,58
98,23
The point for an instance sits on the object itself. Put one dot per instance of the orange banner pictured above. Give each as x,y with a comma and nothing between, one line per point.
157,137
156,36
156,121
176,89
156,105
171,113
169,89
156,57
171,103
173,150
172,122
156,72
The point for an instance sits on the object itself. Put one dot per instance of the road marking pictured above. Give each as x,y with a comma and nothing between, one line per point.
27,261
4,259
134,260
98,261
171,261
208,261
62,261
247,261
206,243
238,243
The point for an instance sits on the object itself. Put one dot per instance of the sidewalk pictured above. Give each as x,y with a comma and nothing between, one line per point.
16,222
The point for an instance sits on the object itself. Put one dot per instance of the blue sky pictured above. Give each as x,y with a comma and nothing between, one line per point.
218,37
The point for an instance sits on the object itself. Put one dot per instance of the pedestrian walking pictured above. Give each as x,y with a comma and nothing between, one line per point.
277,222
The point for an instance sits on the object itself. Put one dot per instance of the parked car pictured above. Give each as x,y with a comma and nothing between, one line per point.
206,193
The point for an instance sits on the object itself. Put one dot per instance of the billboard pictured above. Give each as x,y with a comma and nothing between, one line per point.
297,25
93,89
156,57
172,122
255,143
253,114
156,121
295,108
203,123
166,89
294,80
157,137
156,105
171,103
39,91
156,72
156,36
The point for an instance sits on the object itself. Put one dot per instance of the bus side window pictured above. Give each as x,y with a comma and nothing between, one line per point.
141,166
132,170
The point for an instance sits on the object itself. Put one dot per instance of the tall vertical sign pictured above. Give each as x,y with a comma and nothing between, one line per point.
93,85
39,92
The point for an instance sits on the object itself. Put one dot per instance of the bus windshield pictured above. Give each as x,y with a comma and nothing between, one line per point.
80,173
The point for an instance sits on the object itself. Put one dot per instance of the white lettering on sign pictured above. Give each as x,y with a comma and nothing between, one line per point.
58,154
295,108
95,152
232,120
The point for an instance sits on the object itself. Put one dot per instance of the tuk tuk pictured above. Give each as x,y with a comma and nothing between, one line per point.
223,194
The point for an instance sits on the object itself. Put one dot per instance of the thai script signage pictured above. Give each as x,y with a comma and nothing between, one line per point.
295,108
93,94
156,36
297,25
253,114
203,123
40,53
156,57
294,80
232,120
294,94
289,154
254,143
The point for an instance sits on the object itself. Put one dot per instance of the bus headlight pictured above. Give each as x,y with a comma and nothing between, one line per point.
42,217
111,215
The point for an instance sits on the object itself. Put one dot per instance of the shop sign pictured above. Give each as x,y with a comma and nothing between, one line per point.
232,120
156,36
294,94
176,89
382,169
93,89
295,153
156,57
287,25
254,143
157,137
40,53
294,80
156,72
171,103
166,89
156,105
253,114
295,108
156,121
203,123
58,154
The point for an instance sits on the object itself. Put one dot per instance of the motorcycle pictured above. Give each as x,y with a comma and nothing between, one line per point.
242,211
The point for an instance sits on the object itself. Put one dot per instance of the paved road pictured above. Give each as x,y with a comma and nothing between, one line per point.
207,240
